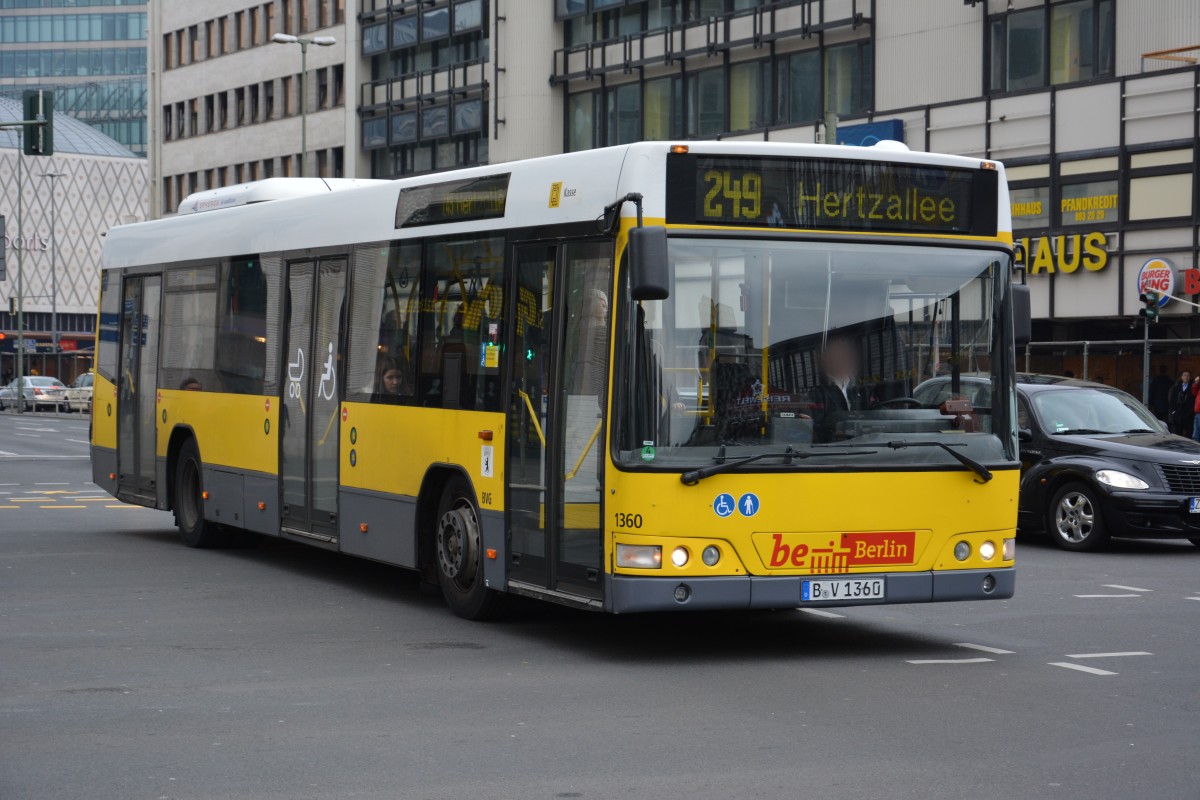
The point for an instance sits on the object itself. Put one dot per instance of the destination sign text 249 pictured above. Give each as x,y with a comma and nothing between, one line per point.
839,194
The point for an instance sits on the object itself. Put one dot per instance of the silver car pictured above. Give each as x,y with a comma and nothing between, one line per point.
39,392
79,395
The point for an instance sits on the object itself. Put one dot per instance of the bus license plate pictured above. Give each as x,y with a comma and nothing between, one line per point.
846,589
1194,505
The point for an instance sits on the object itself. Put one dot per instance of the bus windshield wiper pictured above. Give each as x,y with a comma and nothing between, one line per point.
692,477
983,472
963,458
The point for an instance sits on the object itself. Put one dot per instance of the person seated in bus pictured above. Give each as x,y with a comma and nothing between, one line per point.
838,392
391,383
191,384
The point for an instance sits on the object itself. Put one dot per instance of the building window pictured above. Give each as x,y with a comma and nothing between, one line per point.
849,78
322,88
238,23
1160,185
799,94
661,115
374,39
624,114
1063,42
706,103
1030,207
582,121
375,132
269,100
1090,203
339,83
749,95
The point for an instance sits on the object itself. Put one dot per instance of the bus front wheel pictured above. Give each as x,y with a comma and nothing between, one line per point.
189,501
458,544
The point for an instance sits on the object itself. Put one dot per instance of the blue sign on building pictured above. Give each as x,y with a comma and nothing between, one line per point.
869,133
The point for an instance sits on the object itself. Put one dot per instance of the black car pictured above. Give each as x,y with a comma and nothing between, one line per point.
1095,463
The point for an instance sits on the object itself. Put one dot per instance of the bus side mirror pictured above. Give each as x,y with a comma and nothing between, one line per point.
648,274
1022,315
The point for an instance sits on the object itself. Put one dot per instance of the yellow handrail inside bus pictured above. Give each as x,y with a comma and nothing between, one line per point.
533,416
586,450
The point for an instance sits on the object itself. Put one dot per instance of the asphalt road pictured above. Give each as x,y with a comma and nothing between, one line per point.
132,667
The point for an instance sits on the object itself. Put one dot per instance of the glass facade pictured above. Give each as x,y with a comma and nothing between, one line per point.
1052,44
426,105
98,70
703,86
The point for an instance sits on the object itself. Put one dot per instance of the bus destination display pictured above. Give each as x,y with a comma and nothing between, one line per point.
824,194
452,201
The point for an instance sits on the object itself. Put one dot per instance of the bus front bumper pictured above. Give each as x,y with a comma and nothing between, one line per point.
631,593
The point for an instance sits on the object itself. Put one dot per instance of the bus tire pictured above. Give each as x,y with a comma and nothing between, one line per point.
189,501
1076,520
459,554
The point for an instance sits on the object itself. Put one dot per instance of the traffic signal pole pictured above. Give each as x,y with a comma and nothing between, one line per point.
38,104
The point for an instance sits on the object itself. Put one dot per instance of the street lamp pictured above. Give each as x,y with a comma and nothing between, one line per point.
54,269
319,41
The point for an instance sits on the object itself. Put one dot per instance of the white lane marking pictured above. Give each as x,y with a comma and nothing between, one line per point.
816,612
6,453
950,660
1192,598
79,441
40,457
1109,655
27,435
1116,586
1081,668
984,648
1107,595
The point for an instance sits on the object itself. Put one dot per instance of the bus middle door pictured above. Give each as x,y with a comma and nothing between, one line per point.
310,402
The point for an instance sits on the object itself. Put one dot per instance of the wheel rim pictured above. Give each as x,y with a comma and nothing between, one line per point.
189,502
458,545
1074,518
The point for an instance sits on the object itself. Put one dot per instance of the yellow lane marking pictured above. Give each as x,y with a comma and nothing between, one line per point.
124,506
27,500
90,499
9,506
62,506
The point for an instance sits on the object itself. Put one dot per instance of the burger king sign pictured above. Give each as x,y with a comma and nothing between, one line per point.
1157,275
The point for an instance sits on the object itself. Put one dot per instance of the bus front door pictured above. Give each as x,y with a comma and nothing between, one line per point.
137,385
556,436
310,401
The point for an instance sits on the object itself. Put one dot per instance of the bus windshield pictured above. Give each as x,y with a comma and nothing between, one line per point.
810,350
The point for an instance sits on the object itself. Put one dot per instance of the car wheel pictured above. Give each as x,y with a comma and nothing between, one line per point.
189,502
1076,521
458,544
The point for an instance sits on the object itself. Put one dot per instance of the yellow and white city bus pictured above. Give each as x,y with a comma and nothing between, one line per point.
641,378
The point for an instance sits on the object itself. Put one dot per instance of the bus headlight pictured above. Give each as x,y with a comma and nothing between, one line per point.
1009,552
679,556
639,556
987,551
1120,480
711,555
962,551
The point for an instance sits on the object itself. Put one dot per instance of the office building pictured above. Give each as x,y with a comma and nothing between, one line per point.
226,98
92,53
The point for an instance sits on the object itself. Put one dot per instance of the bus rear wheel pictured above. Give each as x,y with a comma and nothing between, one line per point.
458,542
189,501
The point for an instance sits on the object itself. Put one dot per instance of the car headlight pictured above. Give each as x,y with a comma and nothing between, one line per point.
1120,480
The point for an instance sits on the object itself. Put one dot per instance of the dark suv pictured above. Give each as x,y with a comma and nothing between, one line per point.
1095,463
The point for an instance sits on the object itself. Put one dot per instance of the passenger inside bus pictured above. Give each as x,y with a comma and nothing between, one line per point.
390,383
838,391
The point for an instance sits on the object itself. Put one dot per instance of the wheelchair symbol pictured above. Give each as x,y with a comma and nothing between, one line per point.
328,377
723,506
